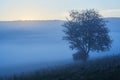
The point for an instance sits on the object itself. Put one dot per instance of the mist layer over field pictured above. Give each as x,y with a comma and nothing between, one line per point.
30,45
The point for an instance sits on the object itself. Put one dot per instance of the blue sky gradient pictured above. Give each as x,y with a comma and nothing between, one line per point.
53,9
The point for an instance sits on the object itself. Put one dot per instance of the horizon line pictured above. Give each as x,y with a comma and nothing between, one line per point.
42,20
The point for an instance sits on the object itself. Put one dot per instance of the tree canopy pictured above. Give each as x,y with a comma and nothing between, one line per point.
86,31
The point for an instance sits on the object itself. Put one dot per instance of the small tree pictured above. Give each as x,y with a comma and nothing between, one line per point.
86,31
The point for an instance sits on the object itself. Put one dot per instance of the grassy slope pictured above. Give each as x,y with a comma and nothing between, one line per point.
101,69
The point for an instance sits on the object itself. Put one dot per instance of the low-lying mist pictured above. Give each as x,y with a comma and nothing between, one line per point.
31,45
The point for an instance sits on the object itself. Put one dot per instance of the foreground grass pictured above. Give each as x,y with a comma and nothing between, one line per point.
107,68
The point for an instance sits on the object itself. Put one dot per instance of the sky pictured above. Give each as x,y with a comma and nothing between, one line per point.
54,9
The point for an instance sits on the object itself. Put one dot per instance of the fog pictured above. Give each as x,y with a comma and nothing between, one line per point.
30,45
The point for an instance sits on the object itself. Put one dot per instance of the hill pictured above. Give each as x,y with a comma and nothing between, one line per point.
107,68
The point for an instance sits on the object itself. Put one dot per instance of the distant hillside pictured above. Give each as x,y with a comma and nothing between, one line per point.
31,28
113,24
45,27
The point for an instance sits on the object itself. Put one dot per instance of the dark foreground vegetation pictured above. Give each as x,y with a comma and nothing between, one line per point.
107,68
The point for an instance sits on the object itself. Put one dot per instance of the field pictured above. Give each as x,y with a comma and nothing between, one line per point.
27,46
107,68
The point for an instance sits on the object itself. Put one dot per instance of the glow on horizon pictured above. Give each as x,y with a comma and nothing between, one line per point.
53,9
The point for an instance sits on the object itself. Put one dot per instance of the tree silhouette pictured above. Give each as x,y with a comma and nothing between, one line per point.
86,31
